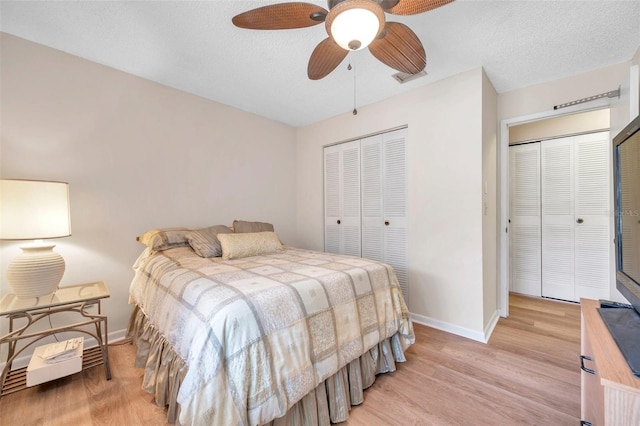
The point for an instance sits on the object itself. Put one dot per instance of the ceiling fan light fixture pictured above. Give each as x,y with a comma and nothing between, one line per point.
354,24
355,29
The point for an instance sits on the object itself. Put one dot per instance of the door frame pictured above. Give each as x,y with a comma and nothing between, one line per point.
503,176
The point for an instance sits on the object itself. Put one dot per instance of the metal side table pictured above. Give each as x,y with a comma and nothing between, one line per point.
24,313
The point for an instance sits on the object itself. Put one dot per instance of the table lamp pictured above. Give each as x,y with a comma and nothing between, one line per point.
34,210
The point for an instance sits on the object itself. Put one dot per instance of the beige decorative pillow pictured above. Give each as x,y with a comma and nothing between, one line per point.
242,226
165,238
204,241
247,244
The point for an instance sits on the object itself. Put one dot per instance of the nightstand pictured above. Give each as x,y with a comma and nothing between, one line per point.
83,300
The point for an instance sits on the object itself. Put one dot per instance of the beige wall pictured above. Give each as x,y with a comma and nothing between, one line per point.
140,155
445,149
635,95
490,202
620,113
542,97
538,100
591,121
137,155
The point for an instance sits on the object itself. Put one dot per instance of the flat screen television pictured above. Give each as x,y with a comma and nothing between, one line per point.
626,162
624,323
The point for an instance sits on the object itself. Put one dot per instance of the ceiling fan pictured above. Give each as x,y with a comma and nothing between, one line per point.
351,25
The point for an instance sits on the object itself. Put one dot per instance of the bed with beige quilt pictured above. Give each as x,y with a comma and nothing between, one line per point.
241,330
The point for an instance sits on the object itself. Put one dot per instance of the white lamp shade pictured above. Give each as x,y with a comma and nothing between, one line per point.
33,209
359,25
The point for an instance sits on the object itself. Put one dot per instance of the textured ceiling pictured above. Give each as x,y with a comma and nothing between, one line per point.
192,46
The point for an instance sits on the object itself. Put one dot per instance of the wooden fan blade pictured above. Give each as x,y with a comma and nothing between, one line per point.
283,16
400,49
325,58
413,7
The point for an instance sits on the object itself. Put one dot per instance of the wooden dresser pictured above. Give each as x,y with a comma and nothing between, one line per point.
610,392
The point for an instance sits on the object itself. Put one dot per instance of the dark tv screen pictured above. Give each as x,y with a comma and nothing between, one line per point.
627,204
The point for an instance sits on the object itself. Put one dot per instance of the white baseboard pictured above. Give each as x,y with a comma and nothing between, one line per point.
118,335
491,325
89,342
482,337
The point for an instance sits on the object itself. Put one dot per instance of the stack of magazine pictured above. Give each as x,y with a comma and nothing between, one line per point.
61,351
55,360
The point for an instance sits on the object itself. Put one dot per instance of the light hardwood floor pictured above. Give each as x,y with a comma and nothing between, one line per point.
527,374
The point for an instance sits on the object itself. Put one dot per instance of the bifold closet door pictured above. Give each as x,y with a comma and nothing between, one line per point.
576,236
372,197
524,218
593,220
384,202
342,198
558,219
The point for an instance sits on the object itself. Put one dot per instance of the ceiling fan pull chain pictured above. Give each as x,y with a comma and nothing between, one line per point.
350,68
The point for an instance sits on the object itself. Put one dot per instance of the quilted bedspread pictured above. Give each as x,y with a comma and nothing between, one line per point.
259,333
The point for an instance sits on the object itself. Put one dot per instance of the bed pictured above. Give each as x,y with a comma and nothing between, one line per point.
237,329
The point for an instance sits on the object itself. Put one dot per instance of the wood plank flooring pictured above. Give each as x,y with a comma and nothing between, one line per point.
527,374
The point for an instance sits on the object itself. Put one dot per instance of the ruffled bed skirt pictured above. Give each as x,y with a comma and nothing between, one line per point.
329,402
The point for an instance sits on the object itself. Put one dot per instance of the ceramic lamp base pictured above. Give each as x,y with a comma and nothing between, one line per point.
37,271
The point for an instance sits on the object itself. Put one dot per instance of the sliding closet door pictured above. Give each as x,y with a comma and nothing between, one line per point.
592,236
342,198
558,218
524,218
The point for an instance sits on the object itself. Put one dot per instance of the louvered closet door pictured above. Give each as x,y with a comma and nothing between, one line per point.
395,206
592,220
558,224
576,237
384,202
524,215
351,199
372,209
342,198
332,197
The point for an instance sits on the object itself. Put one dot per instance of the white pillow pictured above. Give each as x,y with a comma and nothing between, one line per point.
247,244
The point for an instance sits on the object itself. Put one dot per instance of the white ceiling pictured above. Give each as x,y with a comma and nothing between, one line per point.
192,46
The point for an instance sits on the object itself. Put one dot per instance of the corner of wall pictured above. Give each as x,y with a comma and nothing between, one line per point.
491,325
636,57
490,199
